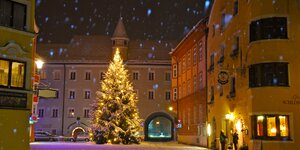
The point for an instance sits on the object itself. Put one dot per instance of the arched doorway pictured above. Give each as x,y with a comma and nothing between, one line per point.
159,127
76,131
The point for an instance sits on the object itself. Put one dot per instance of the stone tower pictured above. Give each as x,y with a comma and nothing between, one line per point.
120,40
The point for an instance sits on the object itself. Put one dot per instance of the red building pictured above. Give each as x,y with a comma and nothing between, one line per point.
189,86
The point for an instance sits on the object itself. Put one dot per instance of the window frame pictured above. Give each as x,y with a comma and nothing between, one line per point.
13,17
262,25
265,136
9,79
258,75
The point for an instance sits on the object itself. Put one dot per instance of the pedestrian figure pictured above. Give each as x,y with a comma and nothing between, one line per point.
222,140
235,138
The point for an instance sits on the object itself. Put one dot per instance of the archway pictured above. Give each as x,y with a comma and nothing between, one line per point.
159,127
76,131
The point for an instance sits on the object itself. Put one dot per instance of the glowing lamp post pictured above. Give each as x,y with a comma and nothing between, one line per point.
39,64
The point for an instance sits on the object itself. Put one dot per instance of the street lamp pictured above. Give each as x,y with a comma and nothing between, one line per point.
39,64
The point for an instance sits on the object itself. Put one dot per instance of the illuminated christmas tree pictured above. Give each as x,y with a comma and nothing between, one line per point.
115,118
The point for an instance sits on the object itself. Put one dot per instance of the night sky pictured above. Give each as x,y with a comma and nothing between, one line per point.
59,20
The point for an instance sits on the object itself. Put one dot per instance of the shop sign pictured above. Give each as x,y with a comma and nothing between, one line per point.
295,100
223,77
13,100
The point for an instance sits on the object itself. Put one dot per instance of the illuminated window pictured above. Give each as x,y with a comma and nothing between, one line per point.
260,125
283,125
12,74
71,112
4,67
17,74
271,127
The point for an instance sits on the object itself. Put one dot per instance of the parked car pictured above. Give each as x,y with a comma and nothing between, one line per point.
44,136
82,136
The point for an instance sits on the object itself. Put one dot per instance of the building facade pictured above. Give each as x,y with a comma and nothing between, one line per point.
77,68
16,71
253,56
189,86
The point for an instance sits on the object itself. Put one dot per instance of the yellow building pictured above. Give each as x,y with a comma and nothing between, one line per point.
253,70
16,68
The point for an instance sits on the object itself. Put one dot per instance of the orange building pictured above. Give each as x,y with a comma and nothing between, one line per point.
189,86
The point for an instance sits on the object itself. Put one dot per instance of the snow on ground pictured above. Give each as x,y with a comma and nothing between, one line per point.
93,146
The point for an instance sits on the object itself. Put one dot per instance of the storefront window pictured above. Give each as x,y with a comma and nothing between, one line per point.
260,125
271,125
284,126
4,67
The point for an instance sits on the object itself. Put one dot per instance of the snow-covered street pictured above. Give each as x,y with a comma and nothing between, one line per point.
92,146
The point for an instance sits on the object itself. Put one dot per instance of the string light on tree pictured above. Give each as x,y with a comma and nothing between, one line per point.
115,118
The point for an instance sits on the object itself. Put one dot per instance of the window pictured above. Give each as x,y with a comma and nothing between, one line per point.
271,127
43,74
71,112
13,14
12,74
72,94
235,46
87,94
135,75
195,83
200,51
168,95
88,75
232,87
194,56
86,113
56,75
175,94
54,113
102,75
183,63
168,76
235,7
41,113
72,75
151,94
151,75
268,28
174,70
189,58
201,79
212,94
268,74
222,54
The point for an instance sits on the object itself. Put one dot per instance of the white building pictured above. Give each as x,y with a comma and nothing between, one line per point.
76,69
